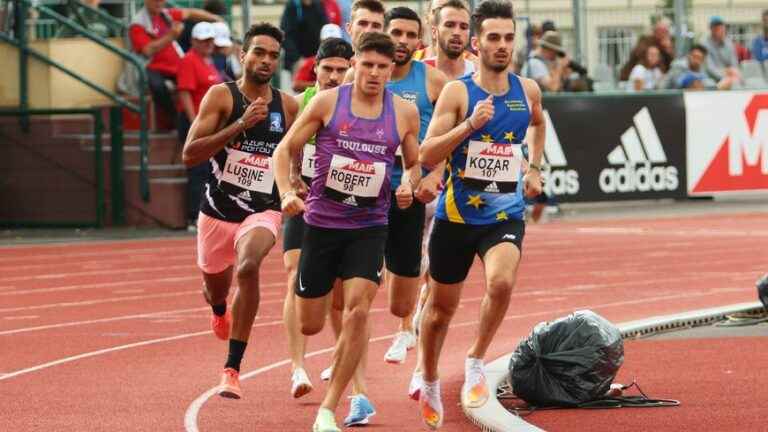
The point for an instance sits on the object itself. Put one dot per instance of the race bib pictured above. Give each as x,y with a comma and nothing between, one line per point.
493,167
249,171
308,161
354,182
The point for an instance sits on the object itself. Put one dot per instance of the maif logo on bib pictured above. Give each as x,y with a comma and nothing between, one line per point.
354,182
493,167
249,171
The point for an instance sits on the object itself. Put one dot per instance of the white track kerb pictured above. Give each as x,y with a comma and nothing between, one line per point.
493,417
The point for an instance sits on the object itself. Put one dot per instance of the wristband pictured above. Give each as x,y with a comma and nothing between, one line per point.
532,165
285,194
240,122
469,123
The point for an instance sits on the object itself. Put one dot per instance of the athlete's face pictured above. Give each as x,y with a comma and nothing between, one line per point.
406,35
330,72
453,31
495,43
372,71
364,21
261,59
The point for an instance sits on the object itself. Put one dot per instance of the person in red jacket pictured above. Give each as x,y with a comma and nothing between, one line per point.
196,75
153,33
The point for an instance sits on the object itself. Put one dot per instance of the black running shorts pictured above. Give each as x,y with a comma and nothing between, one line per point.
293,232
402,253
328,253
452,246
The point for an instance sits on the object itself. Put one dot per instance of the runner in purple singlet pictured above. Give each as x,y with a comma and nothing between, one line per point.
358,129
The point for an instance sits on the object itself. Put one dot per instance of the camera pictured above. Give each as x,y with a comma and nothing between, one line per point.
578,68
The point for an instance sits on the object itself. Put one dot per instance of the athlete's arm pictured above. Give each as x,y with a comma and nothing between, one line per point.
446,130
537,133
431,184
410,146
203,140
308,123
295,176
436,80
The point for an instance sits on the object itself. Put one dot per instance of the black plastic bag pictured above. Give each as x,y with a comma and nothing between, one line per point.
567,362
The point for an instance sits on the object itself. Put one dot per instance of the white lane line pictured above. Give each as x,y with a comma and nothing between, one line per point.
121,283
122,299
164,267
21,317
193,410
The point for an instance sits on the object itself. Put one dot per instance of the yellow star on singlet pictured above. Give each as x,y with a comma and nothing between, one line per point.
475,201
487,138
460,173
509,136
501,216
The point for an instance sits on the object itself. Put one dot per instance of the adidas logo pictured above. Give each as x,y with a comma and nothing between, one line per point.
350,201
493,188
557,179
639,151
244,195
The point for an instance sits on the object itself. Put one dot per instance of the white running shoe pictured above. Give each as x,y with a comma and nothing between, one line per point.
400,345
325,375
430,405
300,384
474,392
414,387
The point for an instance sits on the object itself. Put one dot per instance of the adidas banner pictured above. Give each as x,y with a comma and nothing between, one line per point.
727,142
605,148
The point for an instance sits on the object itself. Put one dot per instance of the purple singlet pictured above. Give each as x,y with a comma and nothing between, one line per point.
353,166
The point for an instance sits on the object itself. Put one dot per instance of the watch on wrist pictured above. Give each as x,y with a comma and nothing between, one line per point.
532,165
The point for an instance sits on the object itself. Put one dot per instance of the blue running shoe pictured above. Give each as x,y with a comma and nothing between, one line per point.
360,411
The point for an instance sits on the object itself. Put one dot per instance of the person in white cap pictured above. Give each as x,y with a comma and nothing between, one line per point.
196,75
305,76
224,59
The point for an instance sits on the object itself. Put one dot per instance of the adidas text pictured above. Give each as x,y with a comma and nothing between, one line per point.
639,177
561,182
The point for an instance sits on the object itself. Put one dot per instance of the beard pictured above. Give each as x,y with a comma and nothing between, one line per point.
405,59
496,67
256,78
445,47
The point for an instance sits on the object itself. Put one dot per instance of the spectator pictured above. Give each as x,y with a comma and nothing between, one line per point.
548,25
662,39
647,75
215,7
548,64
689,73
224,57
301,22
722,61
306,76
85,17
760,44
533,35
153,33
196,75
742,53
345,6
332,12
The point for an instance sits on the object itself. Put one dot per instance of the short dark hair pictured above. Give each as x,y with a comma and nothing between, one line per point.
699,47
453,4
401,12
376,41
334,47
216,7
491,9
262,29
374,6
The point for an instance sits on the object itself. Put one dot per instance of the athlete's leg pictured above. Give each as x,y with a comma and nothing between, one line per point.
251,249
296,341
438,312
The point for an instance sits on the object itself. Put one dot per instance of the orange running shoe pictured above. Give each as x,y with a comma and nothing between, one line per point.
430,405
230,384
220,325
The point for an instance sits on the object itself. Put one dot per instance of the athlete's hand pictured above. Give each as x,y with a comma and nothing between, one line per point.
429,187
256,112
298,185
482,113
404,195
291,204
532,183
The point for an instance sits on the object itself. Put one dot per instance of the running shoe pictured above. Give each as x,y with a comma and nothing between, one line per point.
325,421
300,384
230,384
430,405
474,392
403,342
325,375
360,411
414,387
221,324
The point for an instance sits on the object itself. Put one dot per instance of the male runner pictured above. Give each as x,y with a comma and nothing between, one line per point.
331,64
238,128
421,85
359,128
430,51
480,211
451,24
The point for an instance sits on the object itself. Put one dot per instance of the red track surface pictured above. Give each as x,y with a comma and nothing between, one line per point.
114,335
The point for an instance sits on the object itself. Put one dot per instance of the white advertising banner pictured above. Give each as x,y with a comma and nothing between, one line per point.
727,142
